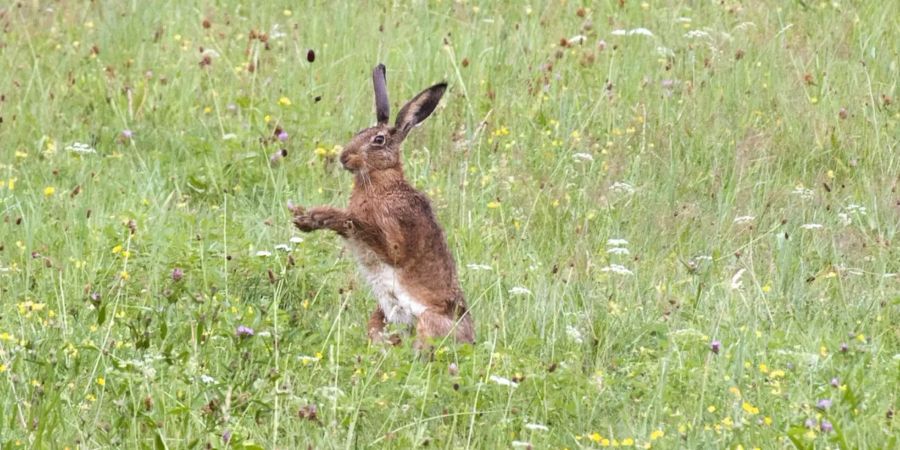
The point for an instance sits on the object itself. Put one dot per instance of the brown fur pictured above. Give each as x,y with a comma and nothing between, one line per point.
390,222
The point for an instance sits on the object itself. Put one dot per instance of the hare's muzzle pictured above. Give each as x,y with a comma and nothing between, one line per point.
350,161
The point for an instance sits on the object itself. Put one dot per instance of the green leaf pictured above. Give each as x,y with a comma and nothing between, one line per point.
795,434
158,442
101,315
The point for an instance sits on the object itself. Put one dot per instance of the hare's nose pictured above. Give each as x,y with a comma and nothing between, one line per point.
345,158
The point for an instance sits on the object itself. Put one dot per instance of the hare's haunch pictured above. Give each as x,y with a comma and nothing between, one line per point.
391,230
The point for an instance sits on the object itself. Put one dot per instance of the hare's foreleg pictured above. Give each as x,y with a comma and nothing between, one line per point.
376,325
323,217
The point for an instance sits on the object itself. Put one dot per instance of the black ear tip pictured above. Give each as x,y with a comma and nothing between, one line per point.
442,86
380,68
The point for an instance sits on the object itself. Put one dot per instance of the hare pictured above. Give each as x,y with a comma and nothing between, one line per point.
392,231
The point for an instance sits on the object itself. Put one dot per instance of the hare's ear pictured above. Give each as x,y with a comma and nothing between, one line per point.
419,108
382,107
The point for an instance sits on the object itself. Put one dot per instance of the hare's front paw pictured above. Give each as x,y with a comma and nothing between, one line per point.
321,217
305,223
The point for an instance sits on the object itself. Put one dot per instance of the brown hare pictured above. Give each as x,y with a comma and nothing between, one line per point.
391,230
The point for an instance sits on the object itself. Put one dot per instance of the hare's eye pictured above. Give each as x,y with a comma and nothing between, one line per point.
378,140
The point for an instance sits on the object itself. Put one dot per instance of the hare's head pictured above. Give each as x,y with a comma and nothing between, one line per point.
378,147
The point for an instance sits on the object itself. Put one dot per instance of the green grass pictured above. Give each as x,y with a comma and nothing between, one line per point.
683,135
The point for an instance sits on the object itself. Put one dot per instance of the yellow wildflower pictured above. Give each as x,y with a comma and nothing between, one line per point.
284,101
749,408
49,191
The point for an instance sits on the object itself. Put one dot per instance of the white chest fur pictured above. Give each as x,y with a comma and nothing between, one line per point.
396,302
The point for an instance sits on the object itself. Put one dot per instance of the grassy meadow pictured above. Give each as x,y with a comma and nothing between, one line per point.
677,224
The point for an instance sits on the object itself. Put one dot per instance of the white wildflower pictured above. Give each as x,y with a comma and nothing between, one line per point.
618,251
694,34
583,157
206,379
478,267
283,247
519,290
616,242
536,427
803,192
210,53
229,136
80,148
330,392
812,226
504,381
577,39
296,240
276,33
307,359
622,188
521,444
263,253
639,31
665,52
743,26
736,279
617,269
845,219
854,208
574,334
743,219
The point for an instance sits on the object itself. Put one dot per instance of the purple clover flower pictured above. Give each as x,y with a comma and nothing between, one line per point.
283,136
226,437
127,134
826,426
810,423
835,382
715,346
825,403
244,331
177,274
844,347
